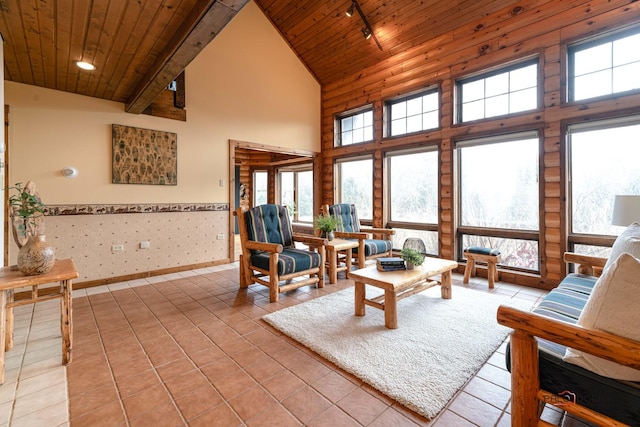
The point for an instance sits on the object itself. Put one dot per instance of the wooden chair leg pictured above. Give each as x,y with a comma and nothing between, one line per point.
323,258
244,278
361,257
274,278
467,270
491,271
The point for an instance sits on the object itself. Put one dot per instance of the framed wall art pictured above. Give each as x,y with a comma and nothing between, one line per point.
144,156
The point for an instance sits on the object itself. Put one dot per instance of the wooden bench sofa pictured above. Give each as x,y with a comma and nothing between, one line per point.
541,372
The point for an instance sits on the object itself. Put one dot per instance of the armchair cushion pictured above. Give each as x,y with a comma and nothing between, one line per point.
348,215
628,241
612,307
375,247
269,224
291,260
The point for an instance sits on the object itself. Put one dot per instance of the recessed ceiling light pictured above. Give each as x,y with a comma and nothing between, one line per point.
85,65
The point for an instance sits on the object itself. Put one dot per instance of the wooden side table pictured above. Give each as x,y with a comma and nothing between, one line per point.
11,279
334,247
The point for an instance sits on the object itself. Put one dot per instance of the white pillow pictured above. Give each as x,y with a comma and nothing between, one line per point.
614,307
628,241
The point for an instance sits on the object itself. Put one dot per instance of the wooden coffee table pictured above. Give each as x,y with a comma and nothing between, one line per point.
334,247
400,284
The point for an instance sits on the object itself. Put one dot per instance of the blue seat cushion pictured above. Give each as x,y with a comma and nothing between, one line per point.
482,251
374,247
291,260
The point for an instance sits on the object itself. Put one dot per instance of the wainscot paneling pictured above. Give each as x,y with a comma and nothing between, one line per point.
180,236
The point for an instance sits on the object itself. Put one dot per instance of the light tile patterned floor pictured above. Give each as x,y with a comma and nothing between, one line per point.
251,383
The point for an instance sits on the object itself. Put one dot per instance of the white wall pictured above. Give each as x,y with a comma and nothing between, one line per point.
246,85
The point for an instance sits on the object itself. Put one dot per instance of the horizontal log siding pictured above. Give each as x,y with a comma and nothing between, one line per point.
525,29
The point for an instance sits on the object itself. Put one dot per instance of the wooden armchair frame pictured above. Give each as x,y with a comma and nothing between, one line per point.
527,398
270,278
364,234
526,395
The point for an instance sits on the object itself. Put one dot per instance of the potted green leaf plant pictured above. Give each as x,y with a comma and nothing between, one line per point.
327,224
412,257
35,255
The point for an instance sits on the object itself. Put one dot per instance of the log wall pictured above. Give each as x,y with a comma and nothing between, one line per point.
527,29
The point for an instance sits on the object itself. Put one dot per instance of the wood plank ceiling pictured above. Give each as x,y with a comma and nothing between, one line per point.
333,46
140,46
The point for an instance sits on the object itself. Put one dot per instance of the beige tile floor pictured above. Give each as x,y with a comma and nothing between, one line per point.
35,392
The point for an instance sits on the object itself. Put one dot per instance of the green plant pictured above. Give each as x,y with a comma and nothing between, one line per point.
327,223
27,206
412,256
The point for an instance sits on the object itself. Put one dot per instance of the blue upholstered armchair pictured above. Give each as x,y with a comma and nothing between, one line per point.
269,255
373,242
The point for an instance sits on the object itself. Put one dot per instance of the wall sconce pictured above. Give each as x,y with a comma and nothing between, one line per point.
69,172
626,210
367,31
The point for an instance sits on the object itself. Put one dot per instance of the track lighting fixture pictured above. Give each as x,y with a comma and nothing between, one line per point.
367,31
350,10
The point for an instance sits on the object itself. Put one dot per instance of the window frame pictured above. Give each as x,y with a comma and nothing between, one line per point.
516,234
296,170
588,43
338,182
387,194
490,72
337,138
588,239
389,103
255,187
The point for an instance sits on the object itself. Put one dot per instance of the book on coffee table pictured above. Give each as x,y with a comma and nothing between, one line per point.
390,264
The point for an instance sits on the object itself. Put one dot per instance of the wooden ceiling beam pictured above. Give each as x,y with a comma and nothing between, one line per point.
186,45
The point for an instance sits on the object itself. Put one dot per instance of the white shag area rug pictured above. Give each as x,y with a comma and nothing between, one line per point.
438,346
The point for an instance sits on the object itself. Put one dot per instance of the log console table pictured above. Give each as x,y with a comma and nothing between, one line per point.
10,279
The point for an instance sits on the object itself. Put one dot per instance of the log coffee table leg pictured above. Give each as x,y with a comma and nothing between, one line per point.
390,309
360,295
445,285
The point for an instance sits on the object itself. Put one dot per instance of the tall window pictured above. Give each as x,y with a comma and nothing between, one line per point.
354,128
603,158
412,197
604,66
413,114
260,185
296,192
355,185
499,193
505,91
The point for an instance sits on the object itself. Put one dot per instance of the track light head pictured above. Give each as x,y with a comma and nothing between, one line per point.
350,10
366,33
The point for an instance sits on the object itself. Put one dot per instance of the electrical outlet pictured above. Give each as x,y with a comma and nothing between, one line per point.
144,245
220,236
117,248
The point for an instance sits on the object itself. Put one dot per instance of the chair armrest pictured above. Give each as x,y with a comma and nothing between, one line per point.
262,246
590,265
351,235
598,343
309,240
386,232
